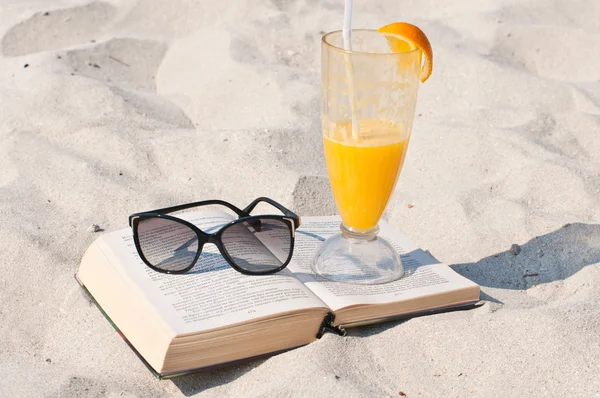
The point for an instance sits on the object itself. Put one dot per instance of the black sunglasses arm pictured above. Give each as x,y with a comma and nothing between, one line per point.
166,210
281,208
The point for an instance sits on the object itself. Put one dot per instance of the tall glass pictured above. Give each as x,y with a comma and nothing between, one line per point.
368,104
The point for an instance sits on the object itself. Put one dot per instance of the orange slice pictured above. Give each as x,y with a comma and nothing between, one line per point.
403,37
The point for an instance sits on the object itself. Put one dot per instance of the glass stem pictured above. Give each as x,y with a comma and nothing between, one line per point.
351,233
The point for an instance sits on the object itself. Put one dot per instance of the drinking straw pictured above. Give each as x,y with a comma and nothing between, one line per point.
347,37
347,27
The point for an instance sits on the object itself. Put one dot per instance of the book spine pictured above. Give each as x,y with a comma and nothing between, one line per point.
327,326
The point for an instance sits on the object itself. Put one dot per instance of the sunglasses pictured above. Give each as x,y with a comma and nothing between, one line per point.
252,245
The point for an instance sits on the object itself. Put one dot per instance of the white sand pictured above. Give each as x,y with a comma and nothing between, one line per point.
131,105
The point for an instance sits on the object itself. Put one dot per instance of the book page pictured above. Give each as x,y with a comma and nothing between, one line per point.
212,294
424,275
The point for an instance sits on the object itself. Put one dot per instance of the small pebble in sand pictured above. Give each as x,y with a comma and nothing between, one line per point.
410,206
95,228
48,360
530,274
26,66
515,249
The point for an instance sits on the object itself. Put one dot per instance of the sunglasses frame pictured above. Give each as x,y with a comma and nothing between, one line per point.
215,238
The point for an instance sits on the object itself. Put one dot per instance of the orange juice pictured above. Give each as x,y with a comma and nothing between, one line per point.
363,172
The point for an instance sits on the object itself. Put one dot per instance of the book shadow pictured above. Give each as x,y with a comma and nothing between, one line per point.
204,380
547,258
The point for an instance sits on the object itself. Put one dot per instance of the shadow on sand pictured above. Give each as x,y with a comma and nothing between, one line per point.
546,258
205,380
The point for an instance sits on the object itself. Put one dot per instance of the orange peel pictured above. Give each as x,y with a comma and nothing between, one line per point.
404,37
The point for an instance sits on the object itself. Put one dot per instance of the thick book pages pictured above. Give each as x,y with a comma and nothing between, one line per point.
214,315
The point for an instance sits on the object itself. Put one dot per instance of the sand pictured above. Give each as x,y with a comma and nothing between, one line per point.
107,108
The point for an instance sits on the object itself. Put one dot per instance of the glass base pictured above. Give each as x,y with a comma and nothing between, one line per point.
358,258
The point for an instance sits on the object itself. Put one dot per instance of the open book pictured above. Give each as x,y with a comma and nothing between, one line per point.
214,315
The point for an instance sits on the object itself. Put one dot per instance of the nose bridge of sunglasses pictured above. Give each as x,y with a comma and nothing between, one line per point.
256,224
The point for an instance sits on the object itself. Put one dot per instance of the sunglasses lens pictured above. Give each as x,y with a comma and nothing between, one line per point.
259,245
167,244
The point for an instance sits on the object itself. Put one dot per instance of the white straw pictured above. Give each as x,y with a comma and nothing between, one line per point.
347,27
346,35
